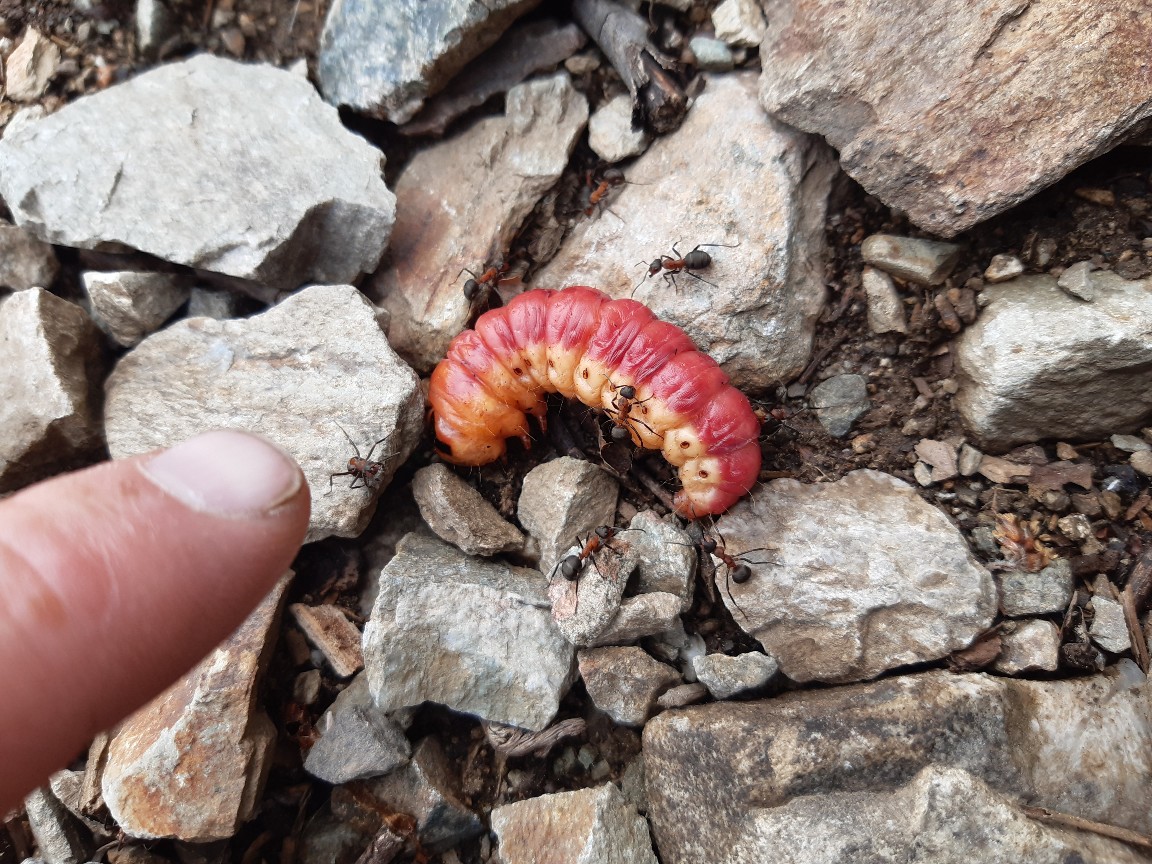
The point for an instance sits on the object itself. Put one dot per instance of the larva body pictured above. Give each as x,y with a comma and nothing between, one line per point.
580,343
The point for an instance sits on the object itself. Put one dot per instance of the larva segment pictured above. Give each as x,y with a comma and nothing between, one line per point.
581,344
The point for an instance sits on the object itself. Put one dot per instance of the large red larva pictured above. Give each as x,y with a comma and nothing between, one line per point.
580,343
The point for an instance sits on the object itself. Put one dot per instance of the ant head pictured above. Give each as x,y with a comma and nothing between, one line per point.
373,472
655,266
570,567
741,573
708,544
605,531
627,391
613,176
620,434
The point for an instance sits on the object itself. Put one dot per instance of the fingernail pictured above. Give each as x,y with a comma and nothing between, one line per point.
226,473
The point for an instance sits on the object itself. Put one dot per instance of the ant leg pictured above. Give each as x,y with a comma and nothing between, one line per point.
701,278
350,441
332,477
725,245
728,588
372,449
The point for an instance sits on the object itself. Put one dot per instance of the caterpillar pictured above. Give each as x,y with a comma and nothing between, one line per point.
582,344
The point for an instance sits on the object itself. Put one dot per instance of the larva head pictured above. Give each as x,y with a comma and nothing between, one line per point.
713,483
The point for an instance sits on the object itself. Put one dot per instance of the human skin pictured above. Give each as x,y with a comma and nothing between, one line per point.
116,580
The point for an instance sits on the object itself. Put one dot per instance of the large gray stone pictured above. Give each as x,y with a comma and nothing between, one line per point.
295,198
953,112
300,374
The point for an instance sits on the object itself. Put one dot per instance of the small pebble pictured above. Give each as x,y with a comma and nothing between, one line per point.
1003,267
712,55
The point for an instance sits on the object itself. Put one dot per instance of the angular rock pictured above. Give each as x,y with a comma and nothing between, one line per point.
462,202
740,781
758,315
384,58
50,370
1040,364
1042,593
300,374
838,401
474,635
460,515
337,638
588,826
941,456
357,739
925,262
1077,281
426,789
1003,267
192,763
643,615
25,262
899,586
610,132
667,557
740,22
841,70
1032,646
1141,461
1108,629
624,682
584,607
712,55
282,204
885,308
726,676
60,837
30,67
564,499
208,303
685,694
128,306
306,687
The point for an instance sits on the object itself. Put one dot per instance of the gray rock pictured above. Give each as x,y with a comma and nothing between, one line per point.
128,306
610,132
764,188
667,557
1108,628
968,460
60,837
299,374
726,676
624,682
583,608
210,303
154,24
561,500
839,401
306,687
741,781
1003,267
25,262
1030,646
908,138
588,826
1129,443
1077,281
30,67
941,455
471,634
925,262
685,694
385,58
489,178
192,763
1049,590
898,586
282,204
460,515
357,739
885,307
50,368
643,615
740,22
1040,364
712,55
426,789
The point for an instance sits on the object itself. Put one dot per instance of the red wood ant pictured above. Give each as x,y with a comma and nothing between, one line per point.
571,566
694,260
737,570
360,468
622,404
598,190
488,280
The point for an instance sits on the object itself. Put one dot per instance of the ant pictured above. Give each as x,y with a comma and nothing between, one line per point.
360,468
488,280
694,260
598,190
571,566
738,569
622,404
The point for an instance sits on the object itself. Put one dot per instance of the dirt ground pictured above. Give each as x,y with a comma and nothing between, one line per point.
1103,212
